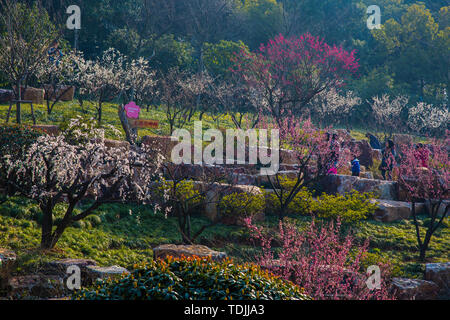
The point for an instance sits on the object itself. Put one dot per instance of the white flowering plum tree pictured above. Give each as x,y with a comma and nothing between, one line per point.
76,166
331,107
26,35
387,113
57,78
427,119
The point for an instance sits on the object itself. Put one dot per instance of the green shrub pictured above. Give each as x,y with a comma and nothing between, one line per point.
184,193
193,279
242,205
14,139
301,204
350,207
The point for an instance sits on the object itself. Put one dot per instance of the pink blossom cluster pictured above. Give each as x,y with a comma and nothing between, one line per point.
320,260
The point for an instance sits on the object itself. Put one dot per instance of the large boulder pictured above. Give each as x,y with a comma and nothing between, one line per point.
389,210
94,273
414,289
60,267
7,264
6,95
163,143
243,179
215,194
263,180
178,251
366,153
340,184
36,286
439,273
48,129
117,144
65,93
35,95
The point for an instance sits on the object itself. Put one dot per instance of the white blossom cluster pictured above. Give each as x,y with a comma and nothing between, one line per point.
425,117
387,111
53,167
332,106
112,73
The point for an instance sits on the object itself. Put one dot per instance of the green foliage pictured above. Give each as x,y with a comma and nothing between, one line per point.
301,204
14,139
184,192
218,57
194,279
242,205
263,20
350,207
170,53
410,47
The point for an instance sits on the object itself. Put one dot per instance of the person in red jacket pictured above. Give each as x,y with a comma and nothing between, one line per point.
422,154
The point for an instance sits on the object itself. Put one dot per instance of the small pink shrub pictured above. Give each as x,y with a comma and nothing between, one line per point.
320,260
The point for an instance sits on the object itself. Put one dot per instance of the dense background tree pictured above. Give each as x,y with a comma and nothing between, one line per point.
26,35
407,56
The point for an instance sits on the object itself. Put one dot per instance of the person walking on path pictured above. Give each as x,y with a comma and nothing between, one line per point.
388,160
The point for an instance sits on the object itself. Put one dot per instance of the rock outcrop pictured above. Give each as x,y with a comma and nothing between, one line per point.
414,289
36,286
94,273
439,273
340,184
6,96
178,251
7,264
389,210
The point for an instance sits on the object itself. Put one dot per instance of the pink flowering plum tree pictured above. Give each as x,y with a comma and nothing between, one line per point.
290,72
72,167
424,175
316,153
319,259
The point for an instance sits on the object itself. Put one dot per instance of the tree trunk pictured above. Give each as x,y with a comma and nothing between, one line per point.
99,112
47,226
18,113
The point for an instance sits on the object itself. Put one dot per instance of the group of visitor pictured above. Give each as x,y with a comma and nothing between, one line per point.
389,156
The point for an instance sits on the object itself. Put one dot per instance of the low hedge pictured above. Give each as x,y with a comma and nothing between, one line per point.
193,279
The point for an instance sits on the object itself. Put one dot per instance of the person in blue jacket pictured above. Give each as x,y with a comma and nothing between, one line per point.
356,167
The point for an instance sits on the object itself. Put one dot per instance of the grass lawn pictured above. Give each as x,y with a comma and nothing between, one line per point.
64,111
124,235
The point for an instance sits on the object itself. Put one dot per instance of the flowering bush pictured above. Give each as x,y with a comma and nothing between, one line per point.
425,176
54,169
425,118
387,112
193,279
319,260
315,153
331,107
